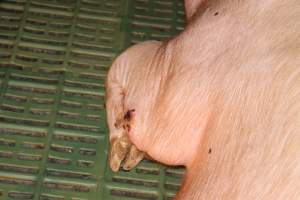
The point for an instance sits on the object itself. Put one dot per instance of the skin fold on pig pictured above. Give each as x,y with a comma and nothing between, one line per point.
221,98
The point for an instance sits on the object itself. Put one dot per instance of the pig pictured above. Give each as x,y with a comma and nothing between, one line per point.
222,98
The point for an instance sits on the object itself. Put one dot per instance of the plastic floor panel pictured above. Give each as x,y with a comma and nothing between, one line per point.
54,55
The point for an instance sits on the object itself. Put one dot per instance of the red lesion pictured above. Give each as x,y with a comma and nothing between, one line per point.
127,118
125,121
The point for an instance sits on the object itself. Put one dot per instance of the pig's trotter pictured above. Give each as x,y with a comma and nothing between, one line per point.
133,158
118,150
122,149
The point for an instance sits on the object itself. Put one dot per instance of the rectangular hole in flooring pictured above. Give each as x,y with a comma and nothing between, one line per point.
133,194
20,195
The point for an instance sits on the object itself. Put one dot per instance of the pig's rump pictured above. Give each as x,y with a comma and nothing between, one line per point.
250,148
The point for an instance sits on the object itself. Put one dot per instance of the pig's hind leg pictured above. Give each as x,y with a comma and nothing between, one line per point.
121,148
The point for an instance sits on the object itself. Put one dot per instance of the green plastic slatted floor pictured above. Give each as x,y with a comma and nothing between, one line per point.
54,55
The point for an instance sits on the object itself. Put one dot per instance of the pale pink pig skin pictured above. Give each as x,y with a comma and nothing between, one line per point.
221,98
